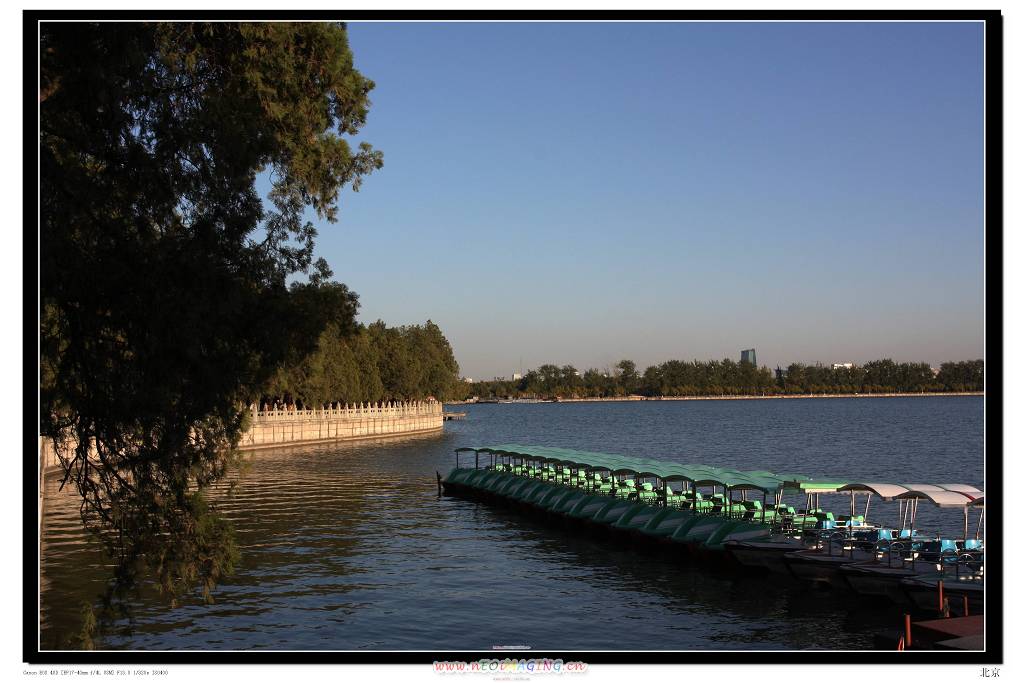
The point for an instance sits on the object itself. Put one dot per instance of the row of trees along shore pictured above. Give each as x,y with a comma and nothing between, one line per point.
729,378
371,363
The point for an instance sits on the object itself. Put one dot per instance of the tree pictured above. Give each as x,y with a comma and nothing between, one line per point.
962,376
795,379
627,376
441,371
570,383
163,300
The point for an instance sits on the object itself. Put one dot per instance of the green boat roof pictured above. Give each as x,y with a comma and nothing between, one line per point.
699,474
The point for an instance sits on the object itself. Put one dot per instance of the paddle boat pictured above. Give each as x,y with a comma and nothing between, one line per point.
957,591
911,554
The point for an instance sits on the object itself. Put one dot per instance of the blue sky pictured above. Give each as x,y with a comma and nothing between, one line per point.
581,193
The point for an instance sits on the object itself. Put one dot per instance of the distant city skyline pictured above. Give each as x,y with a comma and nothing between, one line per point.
583,193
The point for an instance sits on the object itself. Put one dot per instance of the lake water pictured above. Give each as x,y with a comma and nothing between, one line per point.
348,547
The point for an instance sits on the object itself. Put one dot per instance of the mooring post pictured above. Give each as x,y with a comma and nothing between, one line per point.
438,482
906,622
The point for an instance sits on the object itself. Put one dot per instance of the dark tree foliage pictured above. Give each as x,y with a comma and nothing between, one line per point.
377,363
729,378
163,298
966,375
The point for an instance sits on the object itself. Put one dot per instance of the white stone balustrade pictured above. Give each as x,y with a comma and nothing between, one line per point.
283,427
353,412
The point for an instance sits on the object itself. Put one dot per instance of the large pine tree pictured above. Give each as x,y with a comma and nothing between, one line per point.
164,303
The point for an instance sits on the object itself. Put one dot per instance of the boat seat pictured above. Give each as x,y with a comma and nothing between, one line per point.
940,545
880,535
770,516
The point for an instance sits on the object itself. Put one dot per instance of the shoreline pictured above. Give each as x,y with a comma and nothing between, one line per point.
738,397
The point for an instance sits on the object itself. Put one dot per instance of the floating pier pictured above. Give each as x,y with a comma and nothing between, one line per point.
741,519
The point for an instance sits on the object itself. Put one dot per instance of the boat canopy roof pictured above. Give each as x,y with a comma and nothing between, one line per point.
978,502
698,474
965,489
941,498
814,486
883,491
922,487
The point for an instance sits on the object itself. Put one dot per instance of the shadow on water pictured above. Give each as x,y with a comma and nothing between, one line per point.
706,605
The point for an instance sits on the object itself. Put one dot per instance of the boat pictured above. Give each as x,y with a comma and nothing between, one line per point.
956,593
911,554
765,555
821,565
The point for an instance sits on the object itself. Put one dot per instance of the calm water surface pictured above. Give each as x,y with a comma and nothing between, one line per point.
348,547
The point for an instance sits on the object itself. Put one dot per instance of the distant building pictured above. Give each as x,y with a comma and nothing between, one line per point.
516,376
749,355
467,380
780,374
842,366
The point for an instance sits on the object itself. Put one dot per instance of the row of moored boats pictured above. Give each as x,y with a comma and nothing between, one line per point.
760,521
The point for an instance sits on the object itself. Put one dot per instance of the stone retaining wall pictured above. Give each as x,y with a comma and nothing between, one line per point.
296,427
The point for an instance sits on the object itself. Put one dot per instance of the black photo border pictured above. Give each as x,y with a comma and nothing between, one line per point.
993,84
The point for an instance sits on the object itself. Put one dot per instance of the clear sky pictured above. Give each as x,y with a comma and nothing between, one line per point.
581,193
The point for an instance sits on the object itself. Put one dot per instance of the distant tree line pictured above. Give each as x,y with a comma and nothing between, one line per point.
727,377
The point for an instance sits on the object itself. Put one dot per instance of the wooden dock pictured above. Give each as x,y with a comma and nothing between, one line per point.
944,633
957,633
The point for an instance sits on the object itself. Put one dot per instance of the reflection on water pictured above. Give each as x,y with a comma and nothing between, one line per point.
348,547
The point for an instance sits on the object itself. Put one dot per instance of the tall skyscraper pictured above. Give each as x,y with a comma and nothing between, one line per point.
749,355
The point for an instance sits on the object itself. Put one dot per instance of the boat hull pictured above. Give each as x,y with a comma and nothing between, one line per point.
923,593
877,581
819,567
762,557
